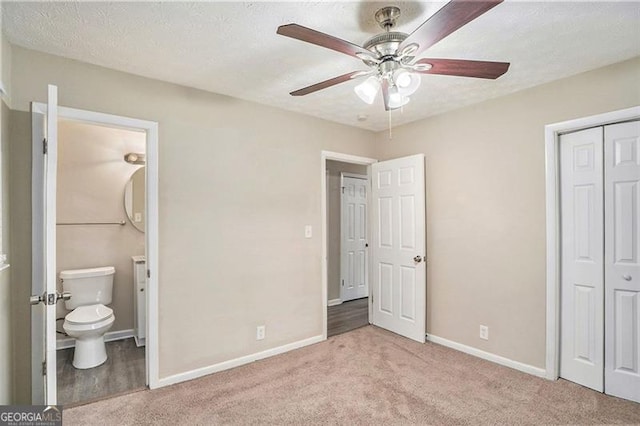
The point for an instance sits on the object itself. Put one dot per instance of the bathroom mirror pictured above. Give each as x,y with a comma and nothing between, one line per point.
134,199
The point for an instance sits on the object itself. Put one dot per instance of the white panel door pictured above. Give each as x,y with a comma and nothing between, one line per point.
622,266
353,244
43,312
398,246
582,288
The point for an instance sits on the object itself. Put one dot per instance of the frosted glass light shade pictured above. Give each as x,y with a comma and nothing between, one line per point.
397,99
406,82
368,89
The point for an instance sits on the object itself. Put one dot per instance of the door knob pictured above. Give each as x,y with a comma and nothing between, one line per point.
417,259
34,300
626,277
65,295
48,299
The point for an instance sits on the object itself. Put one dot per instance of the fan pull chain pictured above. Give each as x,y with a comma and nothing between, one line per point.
390,134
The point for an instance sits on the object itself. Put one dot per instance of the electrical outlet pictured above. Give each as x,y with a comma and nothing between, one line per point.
261,330
308,231
484,332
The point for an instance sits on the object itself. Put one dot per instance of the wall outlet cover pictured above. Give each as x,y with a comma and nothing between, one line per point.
260,332
484,332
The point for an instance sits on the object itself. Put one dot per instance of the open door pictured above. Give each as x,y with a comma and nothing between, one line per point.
399,282
43,284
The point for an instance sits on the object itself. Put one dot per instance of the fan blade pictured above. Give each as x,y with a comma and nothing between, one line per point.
451,17
321,39
329,83
385,93
465,68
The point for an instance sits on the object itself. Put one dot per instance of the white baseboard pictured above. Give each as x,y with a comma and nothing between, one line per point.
516,365
334,302
70,342
225,365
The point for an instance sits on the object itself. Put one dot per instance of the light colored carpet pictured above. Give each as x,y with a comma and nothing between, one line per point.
367,376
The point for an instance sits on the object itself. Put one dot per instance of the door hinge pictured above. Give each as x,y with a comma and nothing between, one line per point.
148,273
342,283
371,297
44,368
342,189
45,146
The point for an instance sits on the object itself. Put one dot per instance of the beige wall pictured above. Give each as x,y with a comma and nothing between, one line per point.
486,206
232,248
20,251
92,175
334,169
6,365
138,199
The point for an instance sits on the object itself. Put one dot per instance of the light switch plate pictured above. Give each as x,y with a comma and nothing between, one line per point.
137,217
308,231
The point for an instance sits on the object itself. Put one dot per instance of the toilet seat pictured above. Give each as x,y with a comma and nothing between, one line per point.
88,325
89,315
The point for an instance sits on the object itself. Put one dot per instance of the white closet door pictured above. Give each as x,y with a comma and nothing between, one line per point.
622,266
582,290
353,245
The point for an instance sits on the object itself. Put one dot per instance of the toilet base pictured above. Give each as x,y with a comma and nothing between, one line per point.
89,353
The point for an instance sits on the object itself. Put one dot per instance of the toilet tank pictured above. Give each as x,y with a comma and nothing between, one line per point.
88,286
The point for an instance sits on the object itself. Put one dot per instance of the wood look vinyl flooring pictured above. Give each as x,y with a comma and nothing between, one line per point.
124,371
347,316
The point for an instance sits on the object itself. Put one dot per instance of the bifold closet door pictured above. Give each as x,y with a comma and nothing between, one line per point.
622,264
582,289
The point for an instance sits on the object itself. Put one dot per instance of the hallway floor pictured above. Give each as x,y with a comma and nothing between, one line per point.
347,316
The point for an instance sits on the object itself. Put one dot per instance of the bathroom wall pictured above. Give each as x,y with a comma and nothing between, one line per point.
334,168
92,175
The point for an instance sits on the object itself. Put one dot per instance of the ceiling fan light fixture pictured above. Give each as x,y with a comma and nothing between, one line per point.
406,82
397,99
368,89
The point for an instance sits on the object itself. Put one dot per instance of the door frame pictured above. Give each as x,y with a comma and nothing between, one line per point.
345,158
354,176
552,194
151,220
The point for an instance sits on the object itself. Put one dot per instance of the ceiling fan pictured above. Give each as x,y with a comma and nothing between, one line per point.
391,55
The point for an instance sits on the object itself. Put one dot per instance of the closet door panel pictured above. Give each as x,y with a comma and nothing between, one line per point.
622,266
582,288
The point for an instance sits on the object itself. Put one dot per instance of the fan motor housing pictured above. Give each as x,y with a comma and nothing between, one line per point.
385,44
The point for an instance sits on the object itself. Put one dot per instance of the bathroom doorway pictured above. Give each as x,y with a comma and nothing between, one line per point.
95,248
100,223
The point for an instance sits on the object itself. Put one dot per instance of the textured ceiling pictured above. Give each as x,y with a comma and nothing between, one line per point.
232,48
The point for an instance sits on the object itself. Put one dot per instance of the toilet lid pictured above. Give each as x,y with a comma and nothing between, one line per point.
89,314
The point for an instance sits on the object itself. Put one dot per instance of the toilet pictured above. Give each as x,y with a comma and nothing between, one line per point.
91,289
